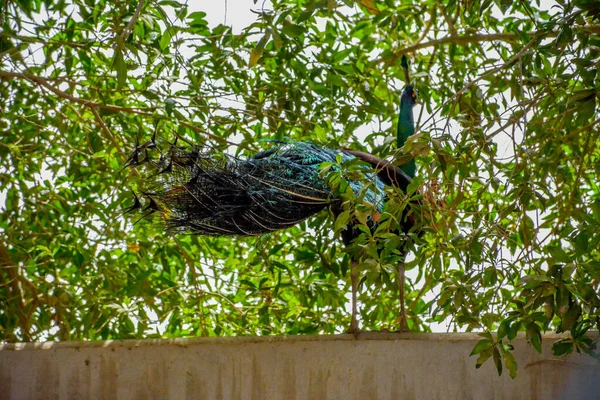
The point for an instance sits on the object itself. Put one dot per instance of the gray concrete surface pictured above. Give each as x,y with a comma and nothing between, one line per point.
374,366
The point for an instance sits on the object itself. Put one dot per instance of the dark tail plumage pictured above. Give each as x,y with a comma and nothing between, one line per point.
218,194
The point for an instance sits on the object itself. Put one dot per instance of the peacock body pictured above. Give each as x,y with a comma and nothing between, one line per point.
218,194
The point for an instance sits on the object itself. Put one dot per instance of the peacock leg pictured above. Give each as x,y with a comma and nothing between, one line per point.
402,323
354,279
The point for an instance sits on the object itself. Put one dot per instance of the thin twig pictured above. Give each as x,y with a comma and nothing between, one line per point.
192,267
582,129
516,57
44,83
510,121
416,299
477,38
103,126
429,25
577,179
450,23
133,19
32,39
467,39
138,111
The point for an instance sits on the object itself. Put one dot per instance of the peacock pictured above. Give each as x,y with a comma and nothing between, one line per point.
209,193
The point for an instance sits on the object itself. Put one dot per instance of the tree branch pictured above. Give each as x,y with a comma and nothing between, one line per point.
107,131
32,39
43,82
14,292
477,38
489,73
467,39
133,19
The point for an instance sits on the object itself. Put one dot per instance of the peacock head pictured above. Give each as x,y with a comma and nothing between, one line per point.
409,98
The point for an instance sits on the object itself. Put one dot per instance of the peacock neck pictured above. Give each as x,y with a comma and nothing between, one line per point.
406,128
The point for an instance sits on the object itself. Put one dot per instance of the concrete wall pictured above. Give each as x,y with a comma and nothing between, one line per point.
374,366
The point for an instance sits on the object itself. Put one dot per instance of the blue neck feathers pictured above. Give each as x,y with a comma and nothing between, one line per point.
406,126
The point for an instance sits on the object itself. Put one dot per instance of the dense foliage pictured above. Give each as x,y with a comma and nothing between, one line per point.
508,156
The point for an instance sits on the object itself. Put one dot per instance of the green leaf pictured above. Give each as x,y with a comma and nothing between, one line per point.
331,6
497,361
511,364
533,281
342,220
503,328
526,228
150,95
277,40
582,95
482,345
483,357
559,254
166,37
534,336
258,50
369,5
570,317
292,30
587,109
95,142
118,65
170,106
197,19
562,347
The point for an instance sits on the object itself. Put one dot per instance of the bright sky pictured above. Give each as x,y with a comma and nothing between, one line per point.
235,13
